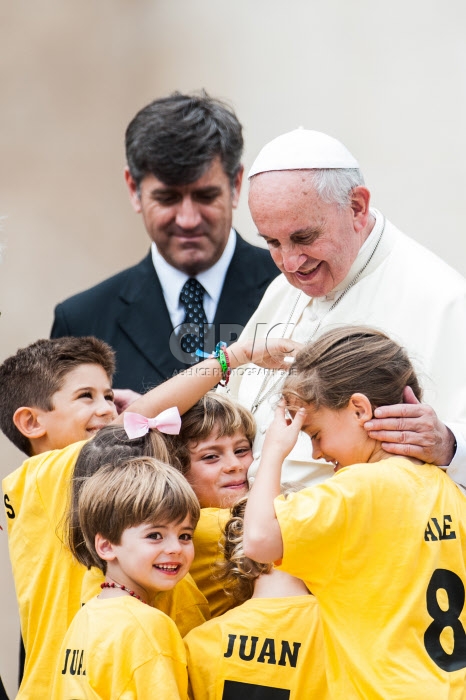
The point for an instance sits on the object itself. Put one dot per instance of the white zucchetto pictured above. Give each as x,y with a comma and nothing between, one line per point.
302,149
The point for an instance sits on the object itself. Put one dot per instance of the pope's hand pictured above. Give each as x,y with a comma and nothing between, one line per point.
412,429
270,353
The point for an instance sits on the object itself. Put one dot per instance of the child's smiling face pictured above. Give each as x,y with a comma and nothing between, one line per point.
218,469
335,437
151,557
82,405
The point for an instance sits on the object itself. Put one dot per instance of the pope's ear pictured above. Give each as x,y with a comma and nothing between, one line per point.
29,422
360,201
361,407
104,548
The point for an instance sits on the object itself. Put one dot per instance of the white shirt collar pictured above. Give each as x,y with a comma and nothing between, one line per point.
212,279
172,281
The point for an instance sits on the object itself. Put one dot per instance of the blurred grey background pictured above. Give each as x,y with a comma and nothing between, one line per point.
388,79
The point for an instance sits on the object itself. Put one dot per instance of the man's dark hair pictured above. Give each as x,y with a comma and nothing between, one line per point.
176,138
33,374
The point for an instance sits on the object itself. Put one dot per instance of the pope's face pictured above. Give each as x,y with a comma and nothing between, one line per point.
189,224
313,243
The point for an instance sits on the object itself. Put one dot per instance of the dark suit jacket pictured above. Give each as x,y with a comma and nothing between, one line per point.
128,311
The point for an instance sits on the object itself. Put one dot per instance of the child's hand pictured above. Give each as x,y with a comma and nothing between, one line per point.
283,432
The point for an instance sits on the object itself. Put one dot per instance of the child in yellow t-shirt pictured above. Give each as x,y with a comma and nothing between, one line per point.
138,522
214,449
270,645
55,395
382,545
185,603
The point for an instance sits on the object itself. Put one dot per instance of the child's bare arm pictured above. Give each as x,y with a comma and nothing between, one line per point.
189,386
262,539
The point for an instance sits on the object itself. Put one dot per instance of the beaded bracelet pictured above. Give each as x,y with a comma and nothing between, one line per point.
220,353
225,365
223,362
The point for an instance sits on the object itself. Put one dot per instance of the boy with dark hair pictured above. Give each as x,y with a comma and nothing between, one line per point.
44,377
55,395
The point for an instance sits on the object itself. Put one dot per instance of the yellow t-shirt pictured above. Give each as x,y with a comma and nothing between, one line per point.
383,548
206,539
47,578
184,604
263,644
120,648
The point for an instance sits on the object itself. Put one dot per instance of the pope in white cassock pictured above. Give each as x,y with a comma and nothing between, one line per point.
344,263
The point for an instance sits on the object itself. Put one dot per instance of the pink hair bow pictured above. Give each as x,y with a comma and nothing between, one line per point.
168,421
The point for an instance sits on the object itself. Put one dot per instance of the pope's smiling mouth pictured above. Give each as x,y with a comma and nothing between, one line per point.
308,273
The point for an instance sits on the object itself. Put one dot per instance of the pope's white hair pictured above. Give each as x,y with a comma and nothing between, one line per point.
334,185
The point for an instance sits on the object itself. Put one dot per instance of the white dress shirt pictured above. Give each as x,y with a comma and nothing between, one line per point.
172,281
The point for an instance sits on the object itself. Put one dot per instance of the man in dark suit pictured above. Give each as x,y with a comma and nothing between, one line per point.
201,281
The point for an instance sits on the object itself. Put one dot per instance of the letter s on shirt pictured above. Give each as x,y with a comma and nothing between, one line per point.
10,513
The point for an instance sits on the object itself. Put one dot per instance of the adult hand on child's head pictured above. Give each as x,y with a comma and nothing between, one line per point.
283,432
412,429
270,353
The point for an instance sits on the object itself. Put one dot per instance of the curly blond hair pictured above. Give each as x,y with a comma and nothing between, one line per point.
237,572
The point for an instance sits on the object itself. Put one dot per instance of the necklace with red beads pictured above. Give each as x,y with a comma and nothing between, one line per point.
123,588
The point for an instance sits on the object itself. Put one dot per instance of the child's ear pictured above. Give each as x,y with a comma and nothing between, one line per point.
28,421
104,548
361,407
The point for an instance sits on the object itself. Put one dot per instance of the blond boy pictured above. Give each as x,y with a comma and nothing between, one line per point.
138,522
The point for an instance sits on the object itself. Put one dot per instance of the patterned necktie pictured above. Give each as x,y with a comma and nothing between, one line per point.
191,297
